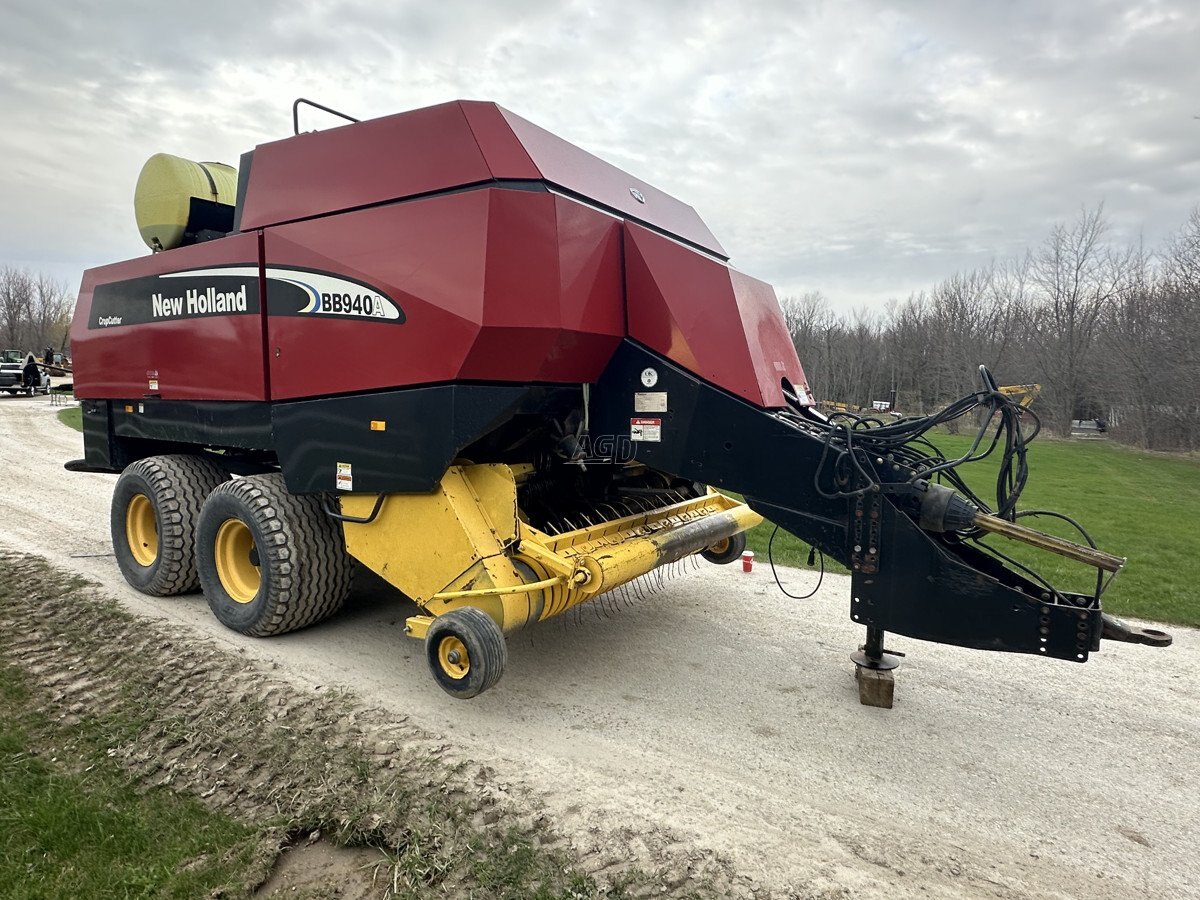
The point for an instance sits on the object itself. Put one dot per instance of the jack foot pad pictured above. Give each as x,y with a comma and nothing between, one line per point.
876,683
876,687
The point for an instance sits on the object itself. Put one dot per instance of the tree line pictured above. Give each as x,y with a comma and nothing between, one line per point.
1109,331
35,311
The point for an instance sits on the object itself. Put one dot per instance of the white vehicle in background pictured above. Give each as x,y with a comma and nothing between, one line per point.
12,377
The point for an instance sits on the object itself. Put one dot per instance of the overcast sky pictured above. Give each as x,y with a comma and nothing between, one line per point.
862,149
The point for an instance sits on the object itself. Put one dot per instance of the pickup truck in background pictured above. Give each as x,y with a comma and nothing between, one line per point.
12,365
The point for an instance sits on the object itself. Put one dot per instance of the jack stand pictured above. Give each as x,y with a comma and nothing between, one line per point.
873,671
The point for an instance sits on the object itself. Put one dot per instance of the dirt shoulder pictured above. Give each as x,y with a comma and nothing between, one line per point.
349,797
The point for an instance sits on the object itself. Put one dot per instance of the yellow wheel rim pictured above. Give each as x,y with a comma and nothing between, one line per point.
141,530
232,552
719,547
453,658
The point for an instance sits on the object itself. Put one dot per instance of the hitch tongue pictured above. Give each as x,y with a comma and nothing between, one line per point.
1117,630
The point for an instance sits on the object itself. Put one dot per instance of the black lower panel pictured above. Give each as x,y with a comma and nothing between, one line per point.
98,450
223,423
119,432
397,441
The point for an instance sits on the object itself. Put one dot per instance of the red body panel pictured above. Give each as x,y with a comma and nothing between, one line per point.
217,358
718,323
563,164
461,223
359,165
446,146
505,154
496,285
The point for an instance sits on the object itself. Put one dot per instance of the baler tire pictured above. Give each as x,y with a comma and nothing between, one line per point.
296,570
467,630
172,490
727,551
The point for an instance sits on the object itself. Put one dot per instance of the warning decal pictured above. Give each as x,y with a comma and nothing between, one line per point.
345,477
645,429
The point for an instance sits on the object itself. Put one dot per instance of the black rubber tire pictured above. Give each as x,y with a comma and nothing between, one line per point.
303,565
176,487
486,650
731,552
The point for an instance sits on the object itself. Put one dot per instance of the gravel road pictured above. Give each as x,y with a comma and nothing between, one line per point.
719,716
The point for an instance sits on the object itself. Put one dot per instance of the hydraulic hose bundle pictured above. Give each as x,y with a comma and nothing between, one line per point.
863,454
853,441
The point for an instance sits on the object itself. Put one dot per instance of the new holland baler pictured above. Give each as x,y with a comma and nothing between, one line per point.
508,378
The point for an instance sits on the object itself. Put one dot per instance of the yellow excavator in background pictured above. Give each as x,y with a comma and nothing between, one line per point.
1024,394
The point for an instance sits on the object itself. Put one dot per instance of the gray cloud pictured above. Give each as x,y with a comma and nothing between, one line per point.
859,148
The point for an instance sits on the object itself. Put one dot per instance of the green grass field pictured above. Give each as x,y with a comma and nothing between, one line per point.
1134,504
72,417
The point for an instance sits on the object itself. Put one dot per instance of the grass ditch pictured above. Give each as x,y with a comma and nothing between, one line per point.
81,828
72,417
138,761
1134,504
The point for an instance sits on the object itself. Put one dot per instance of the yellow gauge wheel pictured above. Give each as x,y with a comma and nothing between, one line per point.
465,651
237,561
453,657
726,550
141,530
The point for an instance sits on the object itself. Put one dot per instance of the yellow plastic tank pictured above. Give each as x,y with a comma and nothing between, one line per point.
178,201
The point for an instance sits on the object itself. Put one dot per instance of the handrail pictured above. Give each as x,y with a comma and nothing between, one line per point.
315,105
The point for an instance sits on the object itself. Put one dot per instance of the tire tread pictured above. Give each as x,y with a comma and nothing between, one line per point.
179,485
485,643
306,551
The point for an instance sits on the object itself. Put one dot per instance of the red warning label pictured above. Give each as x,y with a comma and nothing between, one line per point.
645,429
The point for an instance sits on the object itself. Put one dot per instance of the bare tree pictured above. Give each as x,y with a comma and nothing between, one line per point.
1079,278
1182,256
50,316
16,296
1109,331
35,311
808,318
1176,359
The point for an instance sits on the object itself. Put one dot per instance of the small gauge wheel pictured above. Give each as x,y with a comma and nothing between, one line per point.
466,652
729,550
